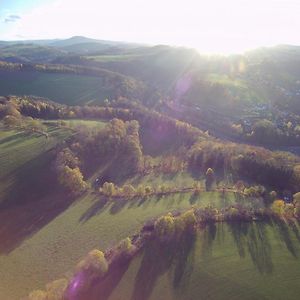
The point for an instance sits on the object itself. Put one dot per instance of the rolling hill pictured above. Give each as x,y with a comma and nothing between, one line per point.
101,138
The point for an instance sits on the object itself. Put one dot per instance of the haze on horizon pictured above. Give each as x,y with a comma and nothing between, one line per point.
212,26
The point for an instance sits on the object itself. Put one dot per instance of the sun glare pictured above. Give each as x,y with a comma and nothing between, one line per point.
213,26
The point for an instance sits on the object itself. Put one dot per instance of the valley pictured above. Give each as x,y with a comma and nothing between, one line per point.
181,168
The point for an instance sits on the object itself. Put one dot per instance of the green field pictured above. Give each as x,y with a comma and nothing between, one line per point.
48,252
46,234
64,88
24,157
234,261
74,123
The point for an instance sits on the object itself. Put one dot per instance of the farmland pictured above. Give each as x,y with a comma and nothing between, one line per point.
224,261
88,223
63,88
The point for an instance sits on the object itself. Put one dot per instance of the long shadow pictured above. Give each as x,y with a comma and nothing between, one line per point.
156,261
239,231
294,227
142,201
21,222
284,234
185,258
194,197
118,206
259,248
94,210
17,140
101,289
208,238
253,237
32,203
13,138
159,258
32,180
158,197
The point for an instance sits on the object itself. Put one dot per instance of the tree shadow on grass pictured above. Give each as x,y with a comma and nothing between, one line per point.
159,258
32,202
239,231
156,261
21,222
209,236
294,227
12,138
184,259
31,181
159,197
118,205
194,197
94,210
102,289
259,248
284,233
252,238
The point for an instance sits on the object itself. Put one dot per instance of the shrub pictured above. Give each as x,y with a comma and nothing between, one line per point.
55,290
148,190
179,225
67,158
72,179
289,210
128,190
278,207
35,125
240,186
125,247
162,189
254,191
165,226
37,295
189,219
12,121
207,214
233,213
140,191
108,189
94,263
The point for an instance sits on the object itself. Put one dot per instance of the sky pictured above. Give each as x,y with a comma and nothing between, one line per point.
212,26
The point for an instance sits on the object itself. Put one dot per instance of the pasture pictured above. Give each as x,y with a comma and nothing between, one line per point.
63,88
224,261
24,157
55,234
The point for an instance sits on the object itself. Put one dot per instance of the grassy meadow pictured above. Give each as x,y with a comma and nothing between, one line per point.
45,251
224,261
24,157
47,233
75,123
63,88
